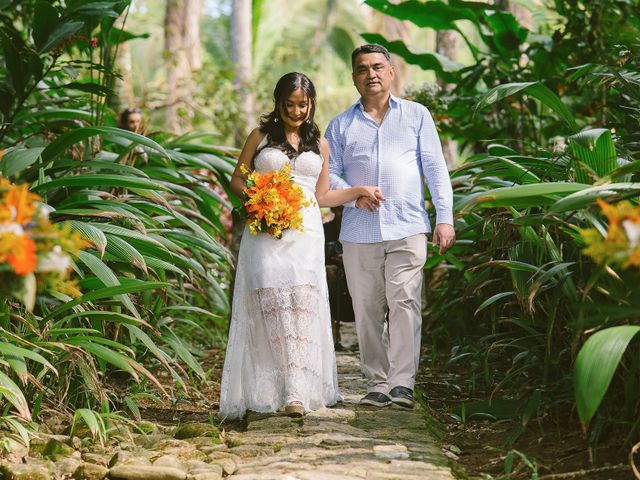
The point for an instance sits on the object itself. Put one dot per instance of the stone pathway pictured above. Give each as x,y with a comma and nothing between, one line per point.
343,443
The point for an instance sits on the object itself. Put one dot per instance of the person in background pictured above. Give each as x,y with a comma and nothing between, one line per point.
131,119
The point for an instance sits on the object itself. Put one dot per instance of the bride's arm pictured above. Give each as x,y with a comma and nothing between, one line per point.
239,179
333,198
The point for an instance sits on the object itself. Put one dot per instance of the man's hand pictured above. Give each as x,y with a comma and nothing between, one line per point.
372,201
444,236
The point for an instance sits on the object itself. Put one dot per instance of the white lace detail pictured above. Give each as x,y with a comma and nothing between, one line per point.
280,347
289,314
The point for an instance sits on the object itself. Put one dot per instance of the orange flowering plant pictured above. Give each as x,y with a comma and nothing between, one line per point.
34,253
621,245
274,202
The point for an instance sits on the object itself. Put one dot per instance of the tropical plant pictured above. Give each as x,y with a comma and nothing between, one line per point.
34,254
154,271
518,284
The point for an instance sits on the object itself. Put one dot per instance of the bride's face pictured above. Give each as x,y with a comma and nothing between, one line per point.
296,109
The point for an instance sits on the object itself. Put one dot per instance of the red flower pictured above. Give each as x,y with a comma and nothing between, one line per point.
93,42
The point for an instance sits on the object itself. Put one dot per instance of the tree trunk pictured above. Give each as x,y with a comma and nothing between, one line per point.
182,58
242,56
191,33
446,44
125,84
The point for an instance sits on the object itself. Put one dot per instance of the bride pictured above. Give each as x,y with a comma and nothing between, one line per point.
280,352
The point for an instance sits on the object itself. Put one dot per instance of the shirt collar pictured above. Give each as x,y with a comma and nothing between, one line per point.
393,102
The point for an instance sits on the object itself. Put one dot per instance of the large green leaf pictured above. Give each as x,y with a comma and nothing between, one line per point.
52,114
133,287
502,167
92,420
127,233
66,140
433,14
536,90
507,34
183,351
596,363
9,349
91,233
96,9
12,393
519,196
45,20
494,298
104,353
107,277
587,196
342,43
59,34
89,87
98,180
17,159
596,150
157,264
126,252
443,66
15,59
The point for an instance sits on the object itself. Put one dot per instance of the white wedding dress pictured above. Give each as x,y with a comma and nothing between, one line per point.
280,345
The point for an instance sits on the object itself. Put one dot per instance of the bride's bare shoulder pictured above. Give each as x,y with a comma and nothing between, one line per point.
256,136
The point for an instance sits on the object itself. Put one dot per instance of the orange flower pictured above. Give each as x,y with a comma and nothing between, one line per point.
621,244
274,202
22,257
19,198
18,205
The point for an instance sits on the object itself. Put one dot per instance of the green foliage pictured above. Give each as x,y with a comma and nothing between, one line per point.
590,60
153,283
549,118
595,365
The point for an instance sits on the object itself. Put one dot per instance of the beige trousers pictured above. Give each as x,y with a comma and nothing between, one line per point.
385,283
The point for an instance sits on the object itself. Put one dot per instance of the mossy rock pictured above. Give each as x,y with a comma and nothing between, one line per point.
24,472
195,429
55,449
147,428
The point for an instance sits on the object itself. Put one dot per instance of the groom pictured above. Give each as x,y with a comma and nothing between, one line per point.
392,143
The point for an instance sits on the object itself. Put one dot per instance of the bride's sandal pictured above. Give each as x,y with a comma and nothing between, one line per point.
294,409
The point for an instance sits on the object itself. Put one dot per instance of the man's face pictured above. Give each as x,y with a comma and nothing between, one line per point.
372,74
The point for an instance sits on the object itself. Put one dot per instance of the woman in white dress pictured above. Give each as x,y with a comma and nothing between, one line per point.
280,352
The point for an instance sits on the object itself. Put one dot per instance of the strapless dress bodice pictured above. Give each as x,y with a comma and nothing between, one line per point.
306,166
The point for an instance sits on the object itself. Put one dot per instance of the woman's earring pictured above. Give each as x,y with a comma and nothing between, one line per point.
275,120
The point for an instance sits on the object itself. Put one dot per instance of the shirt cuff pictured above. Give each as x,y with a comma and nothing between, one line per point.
338,183
444,216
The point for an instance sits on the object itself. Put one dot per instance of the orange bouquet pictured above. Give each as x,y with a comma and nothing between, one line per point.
34,253
274,202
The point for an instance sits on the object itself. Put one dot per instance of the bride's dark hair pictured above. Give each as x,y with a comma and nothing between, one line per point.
272,123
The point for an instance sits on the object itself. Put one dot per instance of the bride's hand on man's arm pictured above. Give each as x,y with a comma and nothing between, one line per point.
370,198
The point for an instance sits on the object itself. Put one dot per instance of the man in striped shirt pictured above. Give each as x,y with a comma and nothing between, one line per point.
392,143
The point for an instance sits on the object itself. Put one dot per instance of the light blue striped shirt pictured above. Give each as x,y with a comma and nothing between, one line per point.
398,156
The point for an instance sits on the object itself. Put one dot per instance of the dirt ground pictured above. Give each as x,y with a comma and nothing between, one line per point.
554,444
